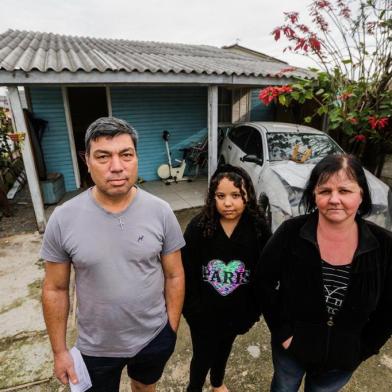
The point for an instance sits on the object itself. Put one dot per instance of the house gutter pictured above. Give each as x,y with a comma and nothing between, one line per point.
80,78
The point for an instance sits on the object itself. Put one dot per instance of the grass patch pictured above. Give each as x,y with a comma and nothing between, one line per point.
35,289
15,304
40,263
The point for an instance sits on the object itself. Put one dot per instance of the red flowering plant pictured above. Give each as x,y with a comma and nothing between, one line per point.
350,43
269,94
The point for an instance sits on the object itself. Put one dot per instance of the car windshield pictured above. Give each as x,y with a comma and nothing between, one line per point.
299,147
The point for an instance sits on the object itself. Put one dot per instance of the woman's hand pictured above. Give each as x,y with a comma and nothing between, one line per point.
286,343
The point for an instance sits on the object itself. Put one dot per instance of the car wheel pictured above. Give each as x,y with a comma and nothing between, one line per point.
265,206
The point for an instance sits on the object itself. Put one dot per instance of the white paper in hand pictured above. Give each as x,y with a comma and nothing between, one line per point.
81,372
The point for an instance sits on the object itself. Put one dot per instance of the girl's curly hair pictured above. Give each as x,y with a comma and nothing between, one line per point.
210,216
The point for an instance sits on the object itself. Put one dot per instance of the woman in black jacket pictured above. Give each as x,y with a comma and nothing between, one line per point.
223,244
325,282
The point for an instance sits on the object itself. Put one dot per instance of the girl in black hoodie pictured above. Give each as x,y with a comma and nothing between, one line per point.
223,244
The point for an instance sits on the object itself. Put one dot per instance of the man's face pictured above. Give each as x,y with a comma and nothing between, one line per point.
113,164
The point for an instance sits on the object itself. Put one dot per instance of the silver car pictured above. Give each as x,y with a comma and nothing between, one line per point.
279,158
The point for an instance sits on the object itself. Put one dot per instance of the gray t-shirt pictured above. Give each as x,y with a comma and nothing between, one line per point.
119,277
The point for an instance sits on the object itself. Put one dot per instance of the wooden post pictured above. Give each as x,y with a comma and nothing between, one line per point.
71,138
109,101
212,130
28,158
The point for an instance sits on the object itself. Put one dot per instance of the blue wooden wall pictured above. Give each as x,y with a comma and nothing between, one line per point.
258,111
180,110
47,104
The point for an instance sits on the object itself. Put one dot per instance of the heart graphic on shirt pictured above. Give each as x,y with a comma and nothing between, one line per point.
225,278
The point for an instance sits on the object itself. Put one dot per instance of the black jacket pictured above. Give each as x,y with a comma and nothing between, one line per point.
218,271
289,287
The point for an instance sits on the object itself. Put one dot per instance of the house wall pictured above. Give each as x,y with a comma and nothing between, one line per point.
258,111
180,110
241,104
47,104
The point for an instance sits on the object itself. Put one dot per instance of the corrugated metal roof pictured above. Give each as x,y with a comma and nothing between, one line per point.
235,48
36,51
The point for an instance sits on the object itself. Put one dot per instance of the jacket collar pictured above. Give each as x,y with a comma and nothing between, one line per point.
241,231
366,242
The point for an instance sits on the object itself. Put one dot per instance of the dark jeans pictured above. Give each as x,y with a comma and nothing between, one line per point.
210,353
288,375
146,366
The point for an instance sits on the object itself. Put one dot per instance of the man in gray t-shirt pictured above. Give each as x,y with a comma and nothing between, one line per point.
125,246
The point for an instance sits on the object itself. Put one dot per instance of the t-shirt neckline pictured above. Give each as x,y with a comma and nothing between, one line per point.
114,214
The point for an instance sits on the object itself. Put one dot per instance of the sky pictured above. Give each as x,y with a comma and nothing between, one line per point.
209,22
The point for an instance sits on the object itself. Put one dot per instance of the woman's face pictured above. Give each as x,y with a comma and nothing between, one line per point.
339,198
228,200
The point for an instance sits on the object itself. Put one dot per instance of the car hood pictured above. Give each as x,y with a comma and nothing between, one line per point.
297,174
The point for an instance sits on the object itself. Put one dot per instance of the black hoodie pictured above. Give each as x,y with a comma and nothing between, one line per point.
218,271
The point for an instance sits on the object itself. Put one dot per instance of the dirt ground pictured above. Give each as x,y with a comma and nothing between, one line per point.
25,352
22,220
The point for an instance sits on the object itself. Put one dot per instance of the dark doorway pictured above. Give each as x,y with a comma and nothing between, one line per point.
86,104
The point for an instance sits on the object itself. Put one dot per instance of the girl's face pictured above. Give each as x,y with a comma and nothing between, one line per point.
228,200
339,198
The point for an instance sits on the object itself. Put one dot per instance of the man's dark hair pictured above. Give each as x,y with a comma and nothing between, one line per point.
329,166
109,126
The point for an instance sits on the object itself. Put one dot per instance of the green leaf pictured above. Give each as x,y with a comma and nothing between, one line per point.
309,95
333,125
321,110
295,95
297,86
319,92
335,116
308,119
347,61
282,100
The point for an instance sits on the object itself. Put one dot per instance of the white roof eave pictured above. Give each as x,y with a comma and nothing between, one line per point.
35,77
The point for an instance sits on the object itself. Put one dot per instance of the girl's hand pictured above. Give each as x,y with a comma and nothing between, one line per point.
286,343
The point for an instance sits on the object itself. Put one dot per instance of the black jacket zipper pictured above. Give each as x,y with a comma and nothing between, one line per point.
330,324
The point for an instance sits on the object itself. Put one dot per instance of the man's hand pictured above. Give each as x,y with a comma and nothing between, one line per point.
286,343
64,368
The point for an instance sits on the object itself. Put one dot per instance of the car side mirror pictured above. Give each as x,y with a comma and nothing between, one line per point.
252,158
